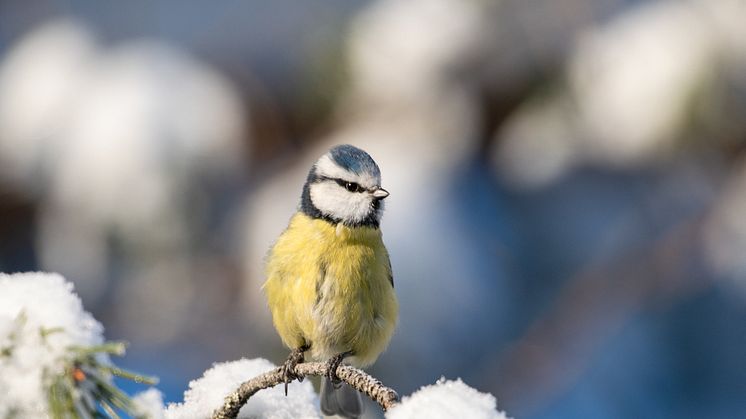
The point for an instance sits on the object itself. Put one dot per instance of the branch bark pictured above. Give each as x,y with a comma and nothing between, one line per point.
357,379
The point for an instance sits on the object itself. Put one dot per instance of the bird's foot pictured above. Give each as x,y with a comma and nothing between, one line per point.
334,363
288,368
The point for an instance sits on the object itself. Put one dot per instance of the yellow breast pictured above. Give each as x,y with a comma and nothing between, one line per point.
330,286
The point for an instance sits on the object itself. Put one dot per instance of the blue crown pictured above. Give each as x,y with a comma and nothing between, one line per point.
354,160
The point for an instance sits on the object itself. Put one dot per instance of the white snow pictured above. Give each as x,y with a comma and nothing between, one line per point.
150,403
447,399
207,393
40,318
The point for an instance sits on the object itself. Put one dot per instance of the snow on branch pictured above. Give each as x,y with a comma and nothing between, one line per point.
208,392
357,379
447,399
54,361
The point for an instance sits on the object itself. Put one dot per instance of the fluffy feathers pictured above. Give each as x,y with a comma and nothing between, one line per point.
329,286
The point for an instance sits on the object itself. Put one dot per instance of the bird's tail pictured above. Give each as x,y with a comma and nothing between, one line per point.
340,399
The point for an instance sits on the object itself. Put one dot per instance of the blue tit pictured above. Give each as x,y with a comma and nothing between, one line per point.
329,283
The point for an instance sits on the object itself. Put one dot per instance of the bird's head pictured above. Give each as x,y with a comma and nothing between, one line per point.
344,186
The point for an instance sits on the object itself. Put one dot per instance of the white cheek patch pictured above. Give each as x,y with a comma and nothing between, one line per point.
326,167
337,202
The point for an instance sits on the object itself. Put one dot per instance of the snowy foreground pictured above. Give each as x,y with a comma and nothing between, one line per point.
444,399
43,327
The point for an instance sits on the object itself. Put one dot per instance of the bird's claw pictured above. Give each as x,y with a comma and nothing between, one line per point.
288,368
332,365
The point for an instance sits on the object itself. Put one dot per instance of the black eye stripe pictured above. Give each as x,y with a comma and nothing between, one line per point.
350,186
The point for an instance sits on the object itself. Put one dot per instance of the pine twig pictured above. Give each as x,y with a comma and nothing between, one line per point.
357,379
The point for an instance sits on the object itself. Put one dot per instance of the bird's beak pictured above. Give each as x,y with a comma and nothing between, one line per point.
380,193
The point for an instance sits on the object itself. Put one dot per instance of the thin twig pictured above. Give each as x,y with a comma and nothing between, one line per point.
357,379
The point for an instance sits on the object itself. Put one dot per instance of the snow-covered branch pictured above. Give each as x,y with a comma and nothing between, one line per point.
357,379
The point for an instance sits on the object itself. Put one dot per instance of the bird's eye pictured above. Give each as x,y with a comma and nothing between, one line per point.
352,186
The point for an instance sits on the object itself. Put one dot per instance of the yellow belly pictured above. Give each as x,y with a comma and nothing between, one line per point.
330,287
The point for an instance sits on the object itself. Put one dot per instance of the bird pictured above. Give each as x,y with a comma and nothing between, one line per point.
329,285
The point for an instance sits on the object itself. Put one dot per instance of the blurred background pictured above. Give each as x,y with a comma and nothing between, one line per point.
568,183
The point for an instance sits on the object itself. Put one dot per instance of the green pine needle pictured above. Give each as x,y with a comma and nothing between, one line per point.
130,375
86,391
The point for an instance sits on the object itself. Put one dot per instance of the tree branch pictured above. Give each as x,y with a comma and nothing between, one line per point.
357,379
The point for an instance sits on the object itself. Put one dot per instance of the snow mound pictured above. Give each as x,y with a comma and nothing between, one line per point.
207,393
447,399
40,319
